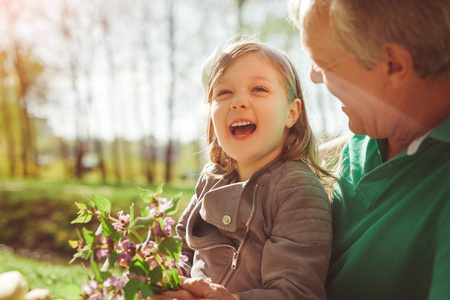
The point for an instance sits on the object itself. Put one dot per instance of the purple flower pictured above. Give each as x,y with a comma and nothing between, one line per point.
123,218
119,227
124,257
168,222
182,258
113,282
153,263
152,210
151,246
172,264
127,245
90,288
163,205
103,252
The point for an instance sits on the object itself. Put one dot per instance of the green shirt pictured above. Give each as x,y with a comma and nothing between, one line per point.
391,221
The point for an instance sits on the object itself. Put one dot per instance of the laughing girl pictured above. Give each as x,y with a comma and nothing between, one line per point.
260,222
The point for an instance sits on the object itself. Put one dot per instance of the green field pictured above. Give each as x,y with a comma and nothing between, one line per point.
35,221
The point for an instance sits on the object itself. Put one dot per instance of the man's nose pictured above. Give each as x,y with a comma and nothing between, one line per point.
316,76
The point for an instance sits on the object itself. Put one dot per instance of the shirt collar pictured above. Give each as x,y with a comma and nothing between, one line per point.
440,132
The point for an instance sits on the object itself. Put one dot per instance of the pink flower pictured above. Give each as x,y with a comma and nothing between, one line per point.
163,205
172,264
125,257
90,288
152,210
168,222
102,253
151,246
113,282
119,227
123,218
127,245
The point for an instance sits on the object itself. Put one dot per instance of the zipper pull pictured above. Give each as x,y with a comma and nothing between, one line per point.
234,261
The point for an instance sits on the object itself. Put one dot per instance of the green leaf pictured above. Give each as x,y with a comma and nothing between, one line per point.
145,212
143,221
85,254
173,281
131,213
146,195
156,274
171,247
133,286
94,266
159,190
89,238
84,217
73,244
175,204
131,289
113,258
108,229
89,201
139,266
81,206
145,290
103,204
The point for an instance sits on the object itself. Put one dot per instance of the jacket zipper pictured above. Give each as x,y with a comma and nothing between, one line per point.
236,252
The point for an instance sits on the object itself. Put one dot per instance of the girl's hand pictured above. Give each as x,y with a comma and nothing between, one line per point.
198,288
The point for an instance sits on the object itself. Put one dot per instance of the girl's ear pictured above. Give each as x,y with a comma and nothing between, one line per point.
295,108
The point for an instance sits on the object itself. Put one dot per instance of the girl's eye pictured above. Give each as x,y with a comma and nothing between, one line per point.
223,92
259,89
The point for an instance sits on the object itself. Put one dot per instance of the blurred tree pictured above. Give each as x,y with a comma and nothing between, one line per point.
171,90
113,91
7,113
148,151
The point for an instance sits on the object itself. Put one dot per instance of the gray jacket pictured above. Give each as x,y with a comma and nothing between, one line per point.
266,238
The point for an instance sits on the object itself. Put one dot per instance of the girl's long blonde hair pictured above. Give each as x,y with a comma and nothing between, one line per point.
300,143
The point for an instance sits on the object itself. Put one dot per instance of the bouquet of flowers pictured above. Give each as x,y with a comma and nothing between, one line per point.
134,266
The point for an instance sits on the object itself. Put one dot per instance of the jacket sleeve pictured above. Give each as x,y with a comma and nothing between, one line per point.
181,229
296,256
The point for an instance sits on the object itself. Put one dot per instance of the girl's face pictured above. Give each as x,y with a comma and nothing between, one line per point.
251,113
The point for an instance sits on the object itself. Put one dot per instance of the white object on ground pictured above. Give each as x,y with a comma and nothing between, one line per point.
13,286
39,294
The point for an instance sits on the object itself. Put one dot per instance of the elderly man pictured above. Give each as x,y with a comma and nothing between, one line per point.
388,61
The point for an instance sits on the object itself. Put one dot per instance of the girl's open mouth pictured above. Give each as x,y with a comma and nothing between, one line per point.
242,129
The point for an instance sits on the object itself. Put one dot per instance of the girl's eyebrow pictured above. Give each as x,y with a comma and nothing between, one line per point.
223,81
260,77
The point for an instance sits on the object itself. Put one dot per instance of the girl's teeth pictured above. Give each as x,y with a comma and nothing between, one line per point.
235,124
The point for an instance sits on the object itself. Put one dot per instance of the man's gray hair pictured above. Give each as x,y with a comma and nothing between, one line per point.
364,27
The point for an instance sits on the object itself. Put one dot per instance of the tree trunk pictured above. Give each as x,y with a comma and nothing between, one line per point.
170,100
7,124
101,160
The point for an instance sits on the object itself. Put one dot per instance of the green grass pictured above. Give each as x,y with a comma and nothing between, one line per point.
36,216
63,281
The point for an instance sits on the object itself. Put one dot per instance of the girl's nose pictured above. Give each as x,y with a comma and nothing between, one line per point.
239,101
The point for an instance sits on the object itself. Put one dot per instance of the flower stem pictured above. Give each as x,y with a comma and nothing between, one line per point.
137,235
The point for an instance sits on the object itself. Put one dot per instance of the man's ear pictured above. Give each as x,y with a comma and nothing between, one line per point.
398,64
295,108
